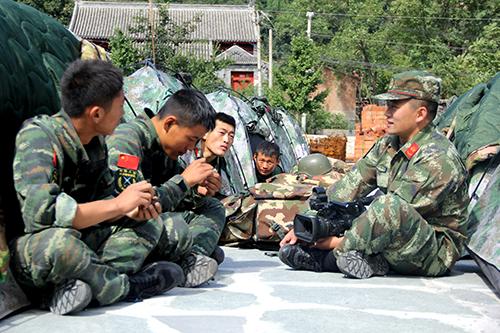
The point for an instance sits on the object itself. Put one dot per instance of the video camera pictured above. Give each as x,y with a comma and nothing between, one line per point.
333,218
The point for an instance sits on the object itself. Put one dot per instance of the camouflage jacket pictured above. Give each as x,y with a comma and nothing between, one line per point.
219,163
53,172
426,172
138,138
263,179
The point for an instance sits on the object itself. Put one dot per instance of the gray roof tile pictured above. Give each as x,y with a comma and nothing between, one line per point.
238,55
222,23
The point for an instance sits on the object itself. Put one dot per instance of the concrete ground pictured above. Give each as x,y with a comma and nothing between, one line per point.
254,292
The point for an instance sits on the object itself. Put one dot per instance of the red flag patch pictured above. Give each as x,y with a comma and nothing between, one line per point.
412,150
130,162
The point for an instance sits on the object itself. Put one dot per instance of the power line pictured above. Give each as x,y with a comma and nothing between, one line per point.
366,64
391,16
398,43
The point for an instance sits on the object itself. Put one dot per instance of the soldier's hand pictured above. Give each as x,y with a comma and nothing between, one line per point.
142,213
197,172
328,243
289,238
134,196
212,184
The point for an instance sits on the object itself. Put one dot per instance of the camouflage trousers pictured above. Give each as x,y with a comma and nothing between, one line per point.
393,228
191,231
101,256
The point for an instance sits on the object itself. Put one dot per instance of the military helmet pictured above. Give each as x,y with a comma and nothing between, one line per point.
314,165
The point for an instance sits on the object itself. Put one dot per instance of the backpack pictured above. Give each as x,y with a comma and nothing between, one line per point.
265,213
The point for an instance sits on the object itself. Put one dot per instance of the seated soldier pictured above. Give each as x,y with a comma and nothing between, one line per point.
192,224
267,159
418,225
214,145
77,242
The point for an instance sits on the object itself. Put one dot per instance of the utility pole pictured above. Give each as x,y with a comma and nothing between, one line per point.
309,19
270,79
258,81
152,25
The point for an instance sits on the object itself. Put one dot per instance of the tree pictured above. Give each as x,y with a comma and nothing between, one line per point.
124,54
58,9
377,38
162,42
296,81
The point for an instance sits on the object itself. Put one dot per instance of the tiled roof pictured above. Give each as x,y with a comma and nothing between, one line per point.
238,55
222,23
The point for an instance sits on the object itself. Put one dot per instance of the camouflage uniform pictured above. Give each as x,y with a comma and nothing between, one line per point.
192,223
263,178
4,250
53,173
219,163
419,224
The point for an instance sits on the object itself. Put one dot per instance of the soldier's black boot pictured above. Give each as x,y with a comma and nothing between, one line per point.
70,297
356,264
154,279
309,259
218,255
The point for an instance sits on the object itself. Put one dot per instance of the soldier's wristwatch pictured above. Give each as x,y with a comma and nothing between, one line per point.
179,181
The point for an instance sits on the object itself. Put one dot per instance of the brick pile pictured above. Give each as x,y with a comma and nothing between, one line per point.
331,146
371,127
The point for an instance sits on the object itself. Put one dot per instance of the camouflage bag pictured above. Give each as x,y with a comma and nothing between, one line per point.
266,213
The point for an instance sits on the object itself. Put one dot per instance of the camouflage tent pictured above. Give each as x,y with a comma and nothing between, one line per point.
285,132
484,245
148,88
257,121
239,159
472,122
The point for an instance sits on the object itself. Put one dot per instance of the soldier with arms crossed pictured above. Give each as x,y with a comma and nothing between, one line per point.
192,226
418,226
78,237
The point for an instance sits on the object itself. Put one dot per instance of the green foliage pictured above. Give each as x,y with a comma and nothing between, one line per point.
162,43
123,52
58,9
373,39
296,81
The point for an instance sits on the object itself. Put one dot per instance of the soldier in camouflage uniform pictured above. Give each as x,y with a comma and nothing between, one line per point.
77,237
267,159
193,224
213,147
418,226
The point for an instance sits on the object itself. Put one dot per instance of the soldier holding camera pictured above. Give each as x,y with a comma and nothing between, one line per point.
418,225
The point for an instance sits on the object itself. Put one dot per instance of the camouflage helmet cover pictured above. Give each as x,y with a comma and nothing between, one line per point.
314,165
413,84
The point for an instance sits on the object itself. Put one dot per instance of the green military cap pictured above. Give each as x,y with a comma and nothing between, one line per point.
413,84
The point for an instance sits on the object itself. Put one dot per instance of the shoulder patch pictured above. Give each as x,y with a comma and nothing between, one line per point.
124,178
412,150
126,161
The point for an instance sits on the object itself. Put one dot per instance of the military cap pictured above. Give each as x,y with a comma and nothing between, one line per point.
413,84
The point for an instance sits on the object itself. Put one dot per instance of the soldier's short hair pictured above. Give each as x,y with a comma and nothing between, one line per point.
89,82
429,105
225,118
191,108
267,148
